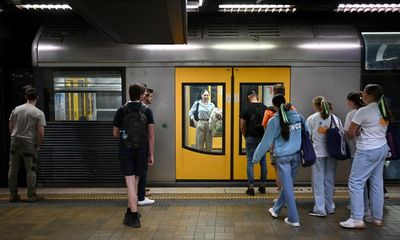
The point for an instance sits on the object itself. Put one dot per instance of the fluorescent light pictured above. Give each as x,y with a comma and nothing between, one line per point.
327,46
394,7
380,33
166,47
193,6
48,47
256,8
243,46
45,6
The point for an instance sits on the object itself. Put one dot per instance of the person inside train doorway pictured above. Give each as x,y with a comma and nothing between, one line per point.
200,114
142,196
268,114
250,125
134,126
26,125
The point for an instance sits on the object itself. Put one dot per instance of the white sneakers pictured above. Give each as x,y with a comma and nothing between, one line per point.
146,201
295,224
353,223
273,213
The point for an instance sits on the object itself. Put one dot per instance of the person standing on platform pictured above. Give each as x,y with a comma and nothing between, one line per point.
26,125
142,199
134,126
251,128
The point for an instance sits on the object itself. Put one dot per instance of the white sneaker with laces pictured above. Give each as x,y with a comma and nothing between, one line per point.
295,224
146,201
273,213
353,223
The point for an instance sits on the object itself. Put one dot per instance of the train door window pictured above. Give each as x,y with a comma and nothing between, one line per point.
264,93
203,117
86,96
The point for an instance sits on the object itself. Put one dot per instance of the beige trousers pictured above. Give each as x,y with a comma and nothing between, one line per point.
203,136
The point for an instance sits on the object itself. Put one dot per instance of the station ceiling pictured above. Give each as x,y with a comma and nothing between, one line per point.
165,21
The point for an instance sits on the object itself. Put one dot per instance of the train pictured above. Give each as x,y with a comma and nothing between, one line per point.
83,77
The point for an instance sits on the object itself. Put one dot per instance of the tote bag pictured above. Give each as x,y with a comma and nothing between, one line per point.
307,149
336,143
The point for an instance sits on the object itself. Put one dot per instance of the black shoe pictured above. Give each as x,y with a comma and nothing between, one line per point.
250,191
132,220
35,198
315,214
261,189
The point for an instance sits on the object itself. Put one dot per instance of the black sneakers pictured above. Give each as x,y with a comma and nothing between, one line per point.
261,189
250,191
132,219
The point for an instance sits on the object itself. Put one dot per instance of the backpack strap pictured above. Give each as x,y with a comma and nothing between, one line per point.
333,121
143,108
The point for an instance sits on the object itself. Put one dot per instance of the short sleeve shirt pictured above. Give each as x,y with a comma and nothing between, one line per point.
248,110
26,118
372,127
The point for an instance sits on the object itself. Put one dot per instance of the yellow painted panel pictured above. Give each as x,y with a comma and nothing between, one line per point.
254,75
192,165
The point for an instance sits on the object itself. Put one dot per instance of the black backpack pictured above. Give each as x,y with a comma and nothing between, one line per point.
255,128
134,131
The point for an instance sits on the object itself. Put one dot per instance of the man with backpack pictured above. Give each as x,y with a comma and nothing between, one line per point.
134,126
253,131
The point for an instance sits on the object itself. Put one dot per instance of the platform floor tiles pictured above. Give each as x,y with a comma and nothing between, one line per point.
182,218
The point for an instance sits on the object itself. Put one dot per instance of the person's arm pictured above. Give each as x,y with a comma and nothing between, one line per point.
40,136
243,126
151,145
353,130
116,132
266,141
11,126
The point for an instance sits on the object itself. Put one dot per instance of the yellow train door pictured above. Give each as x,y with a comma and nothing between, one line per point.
262,81
214,148
203,151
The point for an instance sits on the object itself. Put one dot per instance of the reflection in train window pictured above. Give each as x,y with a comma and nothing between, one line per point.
264,93
86,96
203,117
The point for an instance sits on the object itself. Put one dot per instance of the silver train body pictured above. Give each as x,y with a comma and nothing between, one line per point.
315,70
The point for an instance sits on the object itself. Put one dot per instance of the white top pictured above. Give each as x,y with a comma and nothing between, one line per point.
372,127
317,127
350,142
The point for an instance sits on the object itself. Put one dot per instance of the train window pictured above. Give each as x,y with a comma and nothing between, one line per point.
264,93
382,50
86,96
203,117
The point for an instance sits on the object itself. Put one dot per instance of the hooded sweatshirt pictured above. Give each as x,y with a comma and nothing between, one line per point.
273,136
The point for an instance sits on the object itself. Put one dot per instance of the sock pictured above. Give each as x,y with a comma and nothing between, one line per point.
128,210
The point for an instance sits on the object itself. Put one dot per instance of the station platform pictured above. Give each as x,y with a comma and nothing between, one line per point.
181,213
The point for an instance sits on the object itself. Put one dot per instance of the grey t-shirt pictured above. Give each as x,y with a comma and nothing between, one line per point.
26,119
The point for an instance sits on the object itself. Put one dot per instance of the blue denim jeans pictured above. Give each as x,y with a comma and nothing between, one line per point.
323,184
251,145
367,164
287,170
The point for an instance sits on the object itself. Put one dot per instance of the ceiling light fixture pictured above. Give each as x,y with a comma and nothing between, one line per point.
243,46
193,6
329,46
44,6
166,47
365,8
256,8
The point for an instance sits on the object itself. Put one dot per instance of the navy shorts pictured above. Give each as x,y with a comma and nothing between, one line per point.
133,162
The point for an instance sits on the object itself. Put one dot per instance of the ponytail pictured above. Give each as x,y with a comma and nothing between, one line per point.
280,102
383,108
325,112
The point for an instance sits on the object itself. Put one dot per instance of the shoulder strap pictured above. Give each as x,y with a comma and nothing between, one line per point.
333,121
143,108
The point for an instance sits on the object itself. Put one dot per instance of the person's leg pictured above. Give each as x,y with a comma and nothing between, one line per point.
263,174
30,161
287,171
208,137
142,187
14,165
200,135
318,187
376,184
131,185
250,148
329,184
